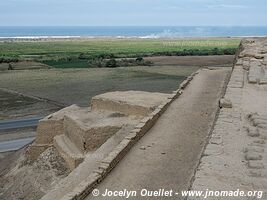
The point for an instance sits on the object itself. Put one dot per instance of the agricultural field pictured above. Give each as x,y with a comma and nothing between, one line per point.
78,86
86,53
50,75
57,72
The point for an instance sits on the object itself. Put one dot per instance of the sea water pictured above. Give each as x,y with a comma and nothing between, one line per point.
131,31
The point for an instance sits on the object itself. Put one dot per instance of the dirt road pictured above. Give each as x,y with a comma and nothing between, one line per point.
167,156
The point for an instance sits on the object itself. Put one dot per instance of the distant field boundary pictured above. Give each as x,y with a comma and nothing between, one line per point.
84,53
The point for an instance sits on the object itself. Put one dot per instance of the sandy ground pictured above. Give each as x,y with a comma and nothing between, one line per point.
223,60
21,180
24,65
14,134
167,156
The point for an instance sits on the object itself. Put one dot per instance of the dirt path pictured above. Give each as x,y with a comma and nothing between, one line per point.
167,156
221,60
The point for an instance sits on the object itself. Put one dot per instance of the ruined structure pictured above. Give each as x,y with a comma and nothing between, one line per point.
76,131
236,156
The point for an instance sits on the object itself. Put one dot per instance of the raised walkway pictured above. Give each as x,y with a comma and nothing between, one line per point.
167,156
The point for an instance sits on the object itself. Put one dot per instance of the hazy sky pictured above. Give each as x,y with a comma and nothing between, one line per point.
133,12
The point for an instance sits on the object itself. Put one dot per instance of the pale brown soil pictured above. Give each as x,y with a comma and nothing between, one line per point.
21,180
223,60
24,65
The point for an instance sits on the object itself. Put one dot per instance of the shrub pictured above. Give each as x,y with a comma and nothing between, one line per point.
10,67
229,51
112,63
215,51
8,59
139,59
82,56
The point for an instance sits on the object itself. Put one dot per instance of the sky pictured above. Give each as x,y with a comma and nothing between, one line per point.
133,13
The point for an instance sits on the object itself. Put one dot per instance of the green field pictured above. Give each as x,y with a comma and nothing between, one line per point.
77,52
78,86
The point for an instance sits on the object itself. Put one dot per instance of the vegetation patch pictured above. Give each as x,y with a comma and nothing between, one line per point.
67,63
87,53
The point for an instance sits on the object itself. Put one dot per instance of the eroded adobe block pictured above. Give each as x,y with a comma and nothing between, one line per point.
52,125
129,102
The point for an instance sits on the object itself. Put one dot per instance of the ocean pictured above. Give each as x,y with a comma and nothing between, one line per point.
130,31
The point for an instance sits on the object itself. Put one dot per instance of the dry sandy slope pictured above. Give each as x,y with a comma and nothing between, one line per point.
21,180
167,155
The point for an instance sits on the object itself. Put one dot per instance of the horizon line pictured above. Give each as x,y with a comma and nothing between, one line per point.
133,25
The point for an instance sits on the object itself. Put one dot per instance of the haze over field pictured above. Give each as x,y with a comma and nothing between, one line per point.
133,12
